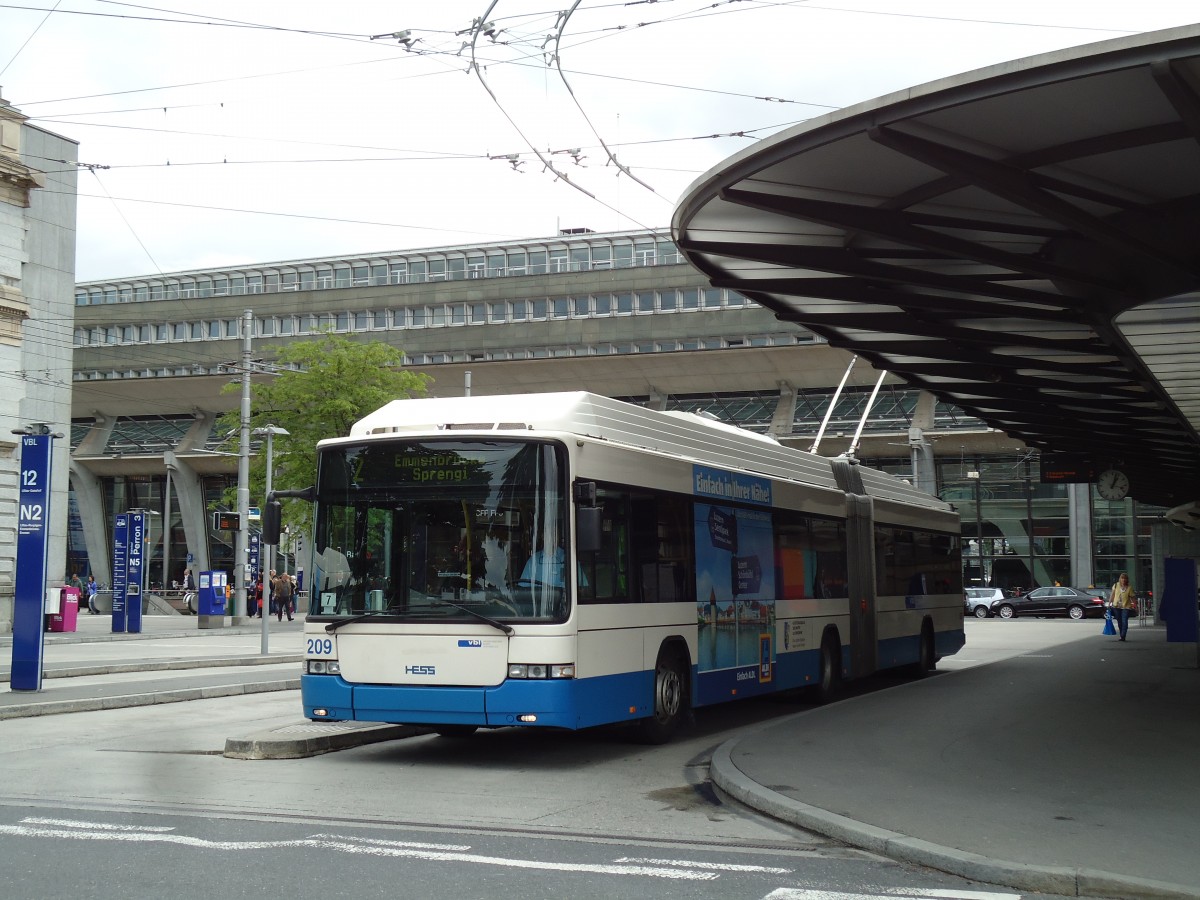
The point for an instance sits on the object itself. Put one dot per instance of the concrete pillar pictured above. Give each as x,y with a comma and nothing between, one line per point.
658,399
89,496
189,494
1080,535
1168,540
784,418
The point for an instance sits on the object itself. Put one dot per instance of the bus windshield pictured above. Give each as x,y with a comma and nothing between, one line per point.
441,530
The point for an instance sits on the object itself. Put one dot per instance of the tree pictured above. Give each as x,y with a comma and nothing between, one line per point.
335,382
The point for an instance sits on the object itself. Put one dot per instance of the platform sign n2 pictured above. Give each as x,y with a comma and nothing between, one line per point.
134,572
120,561
33,534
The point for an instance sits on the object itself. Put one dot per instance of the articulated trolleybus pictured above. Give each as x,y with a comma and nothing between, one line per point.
565,560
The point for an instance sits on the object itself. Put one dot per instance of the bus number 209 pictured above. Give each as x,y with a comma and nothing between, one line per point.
320,647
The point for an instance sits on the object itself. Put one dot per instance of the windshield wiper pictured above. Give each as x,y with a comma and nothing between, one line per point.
507,629
371,613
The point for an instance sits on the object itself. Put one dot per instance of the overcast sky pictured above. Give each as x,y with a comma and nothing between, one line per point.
237,131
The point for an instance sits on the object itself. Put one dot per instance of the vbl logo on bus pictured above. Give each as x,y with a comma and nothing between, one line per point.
420,670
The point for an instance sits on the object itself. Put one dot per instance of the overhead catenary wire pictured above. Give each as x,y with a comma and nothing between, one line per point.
566,46
32,34
565,17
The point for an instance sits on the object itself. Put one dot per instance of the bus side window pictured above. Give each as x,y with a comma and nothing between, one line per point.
663,547
606,572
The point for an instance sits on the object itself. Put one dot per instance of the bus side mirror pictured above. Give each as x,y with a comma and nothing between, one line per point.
587,528
271,515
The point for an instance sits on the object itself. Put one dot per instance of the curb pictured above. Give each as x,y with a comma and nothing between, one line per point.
92,704
1071,882
314,738
167,665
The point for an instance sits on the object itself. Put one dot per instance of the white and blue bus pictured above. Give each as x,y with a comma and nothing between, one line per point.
566,560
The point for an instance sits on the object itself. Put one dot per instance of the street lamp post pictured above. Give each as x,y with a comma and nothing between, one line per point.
241,557
268,550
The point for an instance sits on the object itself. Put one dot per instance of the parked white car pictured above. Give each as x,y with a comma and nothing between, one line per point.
979,600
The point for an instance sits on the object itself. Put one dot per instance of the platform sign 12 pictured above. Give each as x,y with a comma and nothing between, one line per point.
33,532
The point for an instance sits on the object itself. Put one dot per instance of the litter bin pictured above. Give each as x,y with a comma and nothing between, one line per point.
66,615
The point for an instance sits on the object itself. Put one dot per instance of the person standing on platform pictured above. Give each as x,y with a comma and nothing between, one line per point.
283,597
1122,600
92,588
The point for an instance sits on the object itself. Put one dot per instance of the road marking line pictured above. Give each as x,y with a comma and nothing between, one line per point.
348,845
70,823
894,893
381,843
691,864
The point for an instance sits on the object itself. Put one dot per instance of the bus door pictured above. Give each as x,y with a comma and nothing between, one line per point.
860,538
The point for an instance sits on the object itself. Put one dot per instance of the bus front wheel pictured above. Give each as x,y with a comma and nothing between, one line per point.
670,699
455,731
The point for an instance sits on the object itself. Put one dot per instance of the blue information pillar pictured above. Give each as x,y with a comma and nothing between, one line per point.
134,571
33,533
255,572
119,571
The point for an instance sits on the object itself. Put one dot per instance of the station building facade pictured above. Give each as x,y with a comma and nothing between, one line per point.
620,314
37,274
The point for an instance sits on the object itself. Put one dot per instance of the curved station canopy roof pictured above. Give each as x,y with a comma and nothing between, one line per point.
1022,241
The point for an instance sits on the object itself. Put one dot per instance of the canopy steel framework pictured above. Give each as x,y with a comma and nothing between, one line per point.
1021,241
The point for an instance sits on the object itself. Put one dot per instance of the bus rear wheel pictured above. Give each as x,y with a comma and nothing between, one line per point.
829,676
926,653
670,700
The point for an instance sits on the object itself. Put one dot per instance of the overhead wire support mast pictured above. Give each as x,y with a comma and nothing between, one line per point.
241,582
561,27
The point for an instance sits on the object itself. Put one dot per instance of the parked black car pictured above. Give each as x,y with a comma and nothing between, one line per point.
1078,603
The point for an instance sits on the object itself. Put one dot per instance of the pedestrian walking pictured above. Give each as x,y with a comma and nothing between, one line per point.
256,605
92,588
1122,600
284,592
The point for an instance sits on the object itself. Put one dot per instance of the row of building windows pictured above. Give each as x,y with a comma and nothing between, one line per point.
428,359
443,265
428,316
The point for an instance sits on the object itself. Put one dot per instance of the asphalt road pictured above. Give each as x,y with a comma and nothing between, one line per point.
141,802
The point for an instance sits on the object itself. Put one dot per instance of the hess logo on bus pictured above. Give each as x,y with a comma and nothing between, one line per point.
420,670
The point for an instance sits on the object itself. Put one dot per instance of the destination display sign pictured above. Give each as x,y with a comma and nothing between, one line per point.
452,464
1064,468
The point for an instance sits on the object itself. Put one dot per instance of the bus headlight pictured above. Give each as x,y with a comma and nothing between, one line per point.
540,670
322,667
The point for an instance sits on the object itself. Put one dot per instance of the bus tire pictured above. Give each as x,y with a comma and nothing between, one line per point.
926,655
829,675
455,731
671,698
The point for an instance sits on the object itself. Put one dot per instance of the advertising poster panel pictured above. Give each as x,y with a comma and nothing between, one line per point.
735,582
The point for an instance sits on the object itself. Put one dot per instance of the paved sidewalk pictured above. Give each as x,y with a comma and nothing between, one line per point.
93,668
173,660
1073,770
1069,770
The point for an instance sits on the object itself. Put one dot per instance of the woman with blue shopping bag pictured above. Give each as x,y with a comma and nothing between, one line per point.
1122,600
